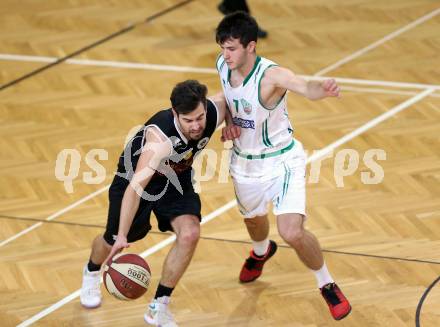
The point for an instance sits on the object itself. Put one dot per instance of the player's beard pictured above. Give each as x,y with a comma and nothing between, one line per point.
196,136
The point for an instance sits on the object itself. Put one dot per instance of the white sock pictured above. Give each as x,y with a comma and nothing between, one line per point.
260,248
323,276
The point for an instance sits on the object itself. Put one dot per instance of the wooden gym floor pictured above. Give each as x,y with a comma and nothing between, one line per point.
381,241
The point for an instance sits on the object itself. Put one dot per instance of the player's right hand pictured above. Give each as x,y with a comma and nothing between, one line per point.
230,132
120,244
331,88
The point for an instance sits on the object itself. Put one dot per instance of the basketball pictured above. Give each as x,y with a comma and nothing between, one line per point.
127,277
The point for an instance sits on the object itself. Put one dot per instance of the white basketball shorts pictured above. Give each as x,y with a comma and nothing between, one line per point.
286,191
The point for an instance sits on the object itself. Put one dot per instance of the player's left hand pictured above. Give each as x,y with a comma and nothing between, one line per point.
330,87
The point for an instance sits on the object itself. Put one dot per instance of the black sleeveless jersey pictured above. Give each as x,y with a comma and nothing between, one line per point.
184,151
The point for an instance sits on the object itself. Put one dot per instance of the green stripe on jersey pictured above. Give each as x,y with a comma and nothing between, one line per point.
257,61
217,61
265,155
267,135
259,90
263,135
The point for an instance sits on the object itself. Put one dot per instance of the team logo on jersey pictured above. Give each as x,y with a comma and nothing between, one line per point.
244,123
202,142
247,107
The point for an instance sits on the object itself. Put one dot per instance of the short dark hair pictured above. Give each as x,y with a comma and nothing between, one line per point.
238,25
187,95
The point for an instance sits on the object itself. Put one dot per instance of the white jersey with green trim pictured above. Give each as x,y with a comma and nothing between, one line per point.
266,133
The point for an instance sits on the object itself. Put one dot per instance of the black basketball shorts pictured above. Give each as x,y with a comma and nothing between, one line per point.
171,205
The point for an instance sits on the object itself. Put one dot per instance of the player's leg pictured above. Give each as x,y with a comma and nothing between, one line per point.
100,251
252,202
181,214
90,295
289,207
187,229
262,248
291,229
257,227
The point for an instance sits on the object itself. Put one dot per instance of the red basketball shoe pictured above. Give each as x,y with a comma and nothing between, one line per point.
336,301
253,267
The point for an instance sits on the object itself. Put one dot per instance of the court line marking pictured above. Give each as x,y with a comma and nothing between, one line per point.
85,48
189,69
404,105
378,42
227,240
56,214
109,63
367,255
383,91
354,81
422,299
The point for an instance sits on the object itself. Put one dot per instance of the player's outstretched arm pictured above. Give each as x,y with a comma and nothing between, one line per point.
156,148
284,78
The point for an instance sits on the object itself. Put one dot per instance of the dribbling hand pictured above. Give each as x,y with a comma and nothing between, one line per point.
120,244
330,87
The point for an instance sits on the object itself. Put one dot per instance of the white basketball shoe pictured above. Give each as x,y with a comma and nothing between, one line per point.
90,295
158,313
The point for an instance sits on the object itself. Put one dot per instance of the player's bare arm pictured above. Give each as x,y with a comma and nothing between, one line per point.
156,148
279,79
222,108
230,131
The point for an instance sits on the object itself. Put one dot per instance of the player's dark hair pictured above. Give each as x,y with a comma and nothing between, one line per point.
187,95
238,25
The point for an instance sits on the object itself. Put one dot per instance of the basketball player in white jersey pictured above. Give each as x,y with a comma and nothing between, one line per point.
267,163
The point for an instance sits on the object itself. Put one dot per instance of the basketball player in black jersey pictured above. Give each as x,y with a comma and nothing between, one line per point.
154,174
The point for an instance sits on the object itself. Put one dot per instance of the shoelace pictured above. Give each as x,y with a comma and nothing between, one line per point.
331,295
93,287
94,290
252,263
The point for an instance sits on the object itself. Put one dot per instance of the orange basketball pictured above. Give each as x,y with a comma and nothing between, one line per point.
127,277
